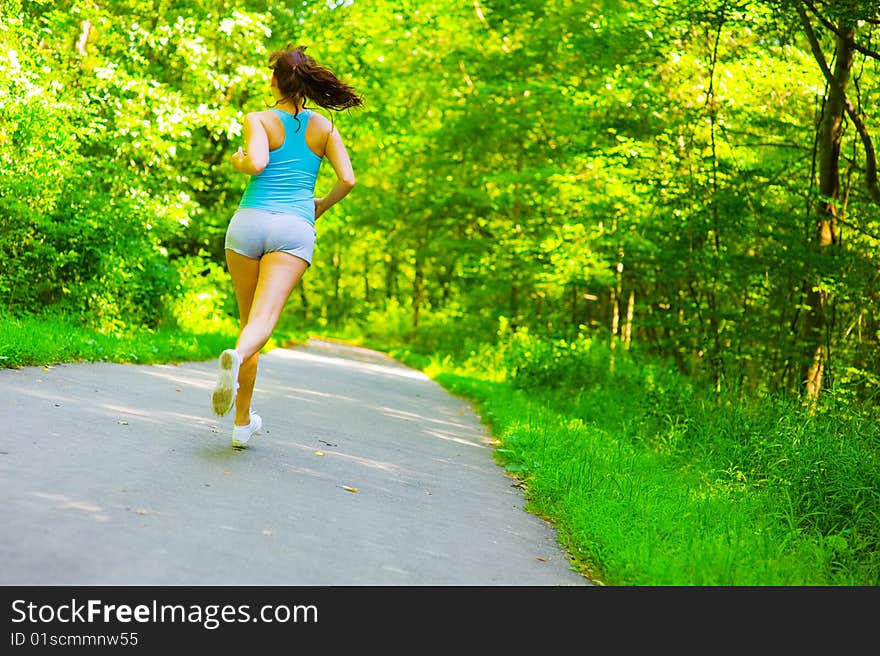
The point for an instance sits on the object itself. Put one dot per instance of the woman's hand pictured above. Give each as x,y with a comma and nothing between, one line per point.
320,207
238,160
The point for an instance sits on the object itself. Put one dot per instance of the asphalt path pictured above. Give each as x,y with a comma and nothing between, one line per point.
366,473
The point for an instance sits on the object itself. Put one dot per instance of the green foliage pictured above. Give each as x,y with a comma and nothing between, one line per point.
551,364
112,153
625,171
204,300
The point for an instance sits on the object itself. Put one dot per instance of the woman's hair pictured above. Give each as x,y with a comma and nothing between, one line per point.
299,77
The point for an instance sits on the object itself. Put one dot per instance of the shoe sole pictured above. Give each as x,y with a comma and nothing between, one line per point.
224,393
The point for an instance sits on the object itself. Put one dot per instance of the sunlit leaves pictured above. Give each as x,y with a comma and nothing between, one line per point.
538,161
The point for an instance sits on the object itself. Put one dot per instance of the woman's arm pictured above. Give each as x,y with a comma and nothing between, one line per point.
257,142
338,156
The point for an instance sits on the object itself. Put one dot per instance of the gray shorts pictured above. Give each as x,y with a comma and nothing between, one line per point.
253,232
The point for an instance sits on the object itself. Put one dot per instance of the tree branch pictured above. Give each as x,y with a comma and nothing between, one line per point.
848,40
870,153
873,21
84,38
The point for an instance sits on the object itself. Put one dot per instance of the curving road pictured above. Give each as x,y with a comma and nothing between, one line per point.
366,473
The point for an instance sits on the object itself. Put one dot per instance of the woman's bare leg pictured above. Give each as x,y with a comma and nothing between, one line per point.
262,288
245,273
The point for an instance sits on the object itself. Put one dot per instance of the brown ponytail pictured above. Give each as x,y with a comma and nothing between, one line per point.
299,78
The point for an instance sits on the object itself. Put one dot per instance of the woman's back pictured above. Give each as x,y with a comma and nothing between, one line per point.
296,148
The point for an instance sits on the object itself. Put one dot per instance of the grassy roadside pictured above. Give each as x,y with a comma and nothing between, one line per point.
649,484
646,482
44,340
624,515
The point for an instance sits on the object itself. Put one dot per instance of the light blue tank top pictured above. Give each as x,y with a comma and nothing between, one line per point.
287,184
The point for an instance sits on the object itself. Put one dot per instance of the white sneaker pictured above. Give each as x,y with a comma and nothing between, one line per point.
227,382
241,434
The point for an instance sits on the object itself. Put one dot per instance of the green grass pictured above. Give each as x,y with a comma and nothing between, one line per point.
625,515
650,484
44,340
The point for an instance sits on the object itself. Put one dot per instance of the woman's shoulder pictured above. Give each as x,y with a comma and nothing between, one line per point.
265,118
320,121
260,114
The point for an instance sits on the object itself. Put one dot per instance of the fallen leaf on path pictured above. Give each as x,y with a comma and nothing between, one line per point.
178,389
319,453
348,488
124,423
543,560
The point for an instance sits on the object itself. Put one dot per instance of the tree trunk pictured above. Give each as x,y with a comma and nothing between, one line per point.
83,41
304,299
514,301
616,293
337,276
418,290
391,277
627,328
366,279
615,317
815,355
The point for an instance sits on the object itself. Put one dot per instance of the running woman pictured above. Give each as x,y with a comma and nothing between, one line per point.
271,236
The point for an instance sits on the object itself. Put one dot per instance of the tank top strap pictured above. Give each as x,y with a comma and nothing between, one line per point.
298,122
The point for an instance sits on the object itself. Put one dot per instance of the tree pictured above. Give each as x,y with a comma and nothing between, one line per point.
841,22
